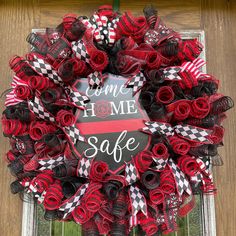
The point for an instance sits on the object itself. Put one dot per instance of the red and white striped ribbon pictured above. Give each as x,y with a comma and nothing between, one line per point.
193,67
11,98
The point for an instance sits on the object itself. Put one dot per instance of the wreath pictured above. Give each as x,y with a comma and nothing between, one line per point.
183,124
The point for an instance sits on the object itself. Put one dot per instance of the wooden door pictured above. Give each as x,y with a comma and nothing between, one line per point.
216,17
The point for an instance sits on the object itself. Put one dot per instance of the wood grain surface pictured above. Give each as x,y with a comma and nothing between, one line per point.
216,17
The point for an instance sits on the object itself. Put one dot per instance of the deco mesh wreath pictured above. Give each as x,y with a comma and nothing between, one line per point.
157,184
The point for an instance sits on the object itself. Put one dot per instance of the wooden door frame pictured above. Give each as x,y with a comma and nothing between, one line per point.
29,222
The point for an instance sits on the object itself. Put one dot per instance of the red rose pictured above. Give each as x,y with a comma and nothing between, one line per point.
217,134
40,83
98,60
188,165
165,95
153,60
80,67
10,156
200,107
182,111
156,196
53,197
13,127
40,147
106,10
65,118
65,71
43,180
103,226
126,65
39,128
98,170
167,182
68,20
93,202
179,145
22,92
149,225
102,109
81,214
160,150
143,160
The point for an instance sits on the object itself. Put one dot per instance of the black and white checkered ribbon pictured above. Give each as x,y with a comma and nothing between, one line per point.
185,131
36,106
205,173
76,97
171,73
95,79
80,51
181,181
39,195
160,164
69,205
73,133
138,203
193,133
46,70
131,173
136,82
206,160
38,109
50,163
197,178
163,128
84,166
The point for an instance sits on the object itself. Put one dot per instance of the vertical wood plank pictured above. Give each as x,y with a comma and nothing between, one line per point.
52,11
218,21
179,14
17,18
217,17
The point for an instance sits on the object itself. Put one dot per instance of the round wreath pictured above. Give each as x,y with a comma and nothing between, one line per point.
185,112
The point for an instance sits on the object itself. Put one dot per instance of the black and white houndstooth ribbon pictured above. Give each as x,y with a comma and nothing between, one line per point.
50,163
136,82
138,203
84,166
131,173
46,70
182,183
70,204
189,132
